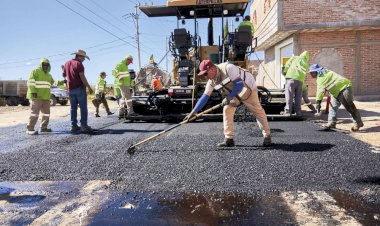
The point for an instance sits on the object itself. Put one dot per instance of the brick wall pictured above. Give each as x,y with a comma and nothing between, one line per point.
324,11
360,53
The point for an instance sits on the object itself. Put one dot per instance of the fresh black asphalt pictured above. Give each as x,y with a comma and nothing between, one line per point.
303,157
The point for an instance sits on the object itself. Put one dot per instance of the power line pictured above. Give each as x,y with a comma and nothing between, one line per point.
101,17
118,19
95,23
59,54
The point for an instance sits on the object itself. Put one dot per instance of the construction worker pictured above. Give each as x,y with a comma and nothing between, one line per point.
339,88
77,84
39,83
295,71
247,22
151,60
156,83
125,82
100,94
305,97
236,85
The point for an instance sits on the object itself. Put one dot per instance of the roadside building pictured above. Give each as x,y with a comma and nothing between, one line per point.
341,35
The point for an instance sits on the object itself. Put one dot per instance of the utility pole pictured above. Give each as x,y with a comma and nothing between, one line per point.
135,17
167,43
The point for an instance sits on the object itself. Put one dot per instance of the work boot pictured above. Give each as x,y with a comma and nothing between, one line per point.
110,113
75,128
228,142
312,108
329,126
45,130
97,115
86,129
31,132
267,141
357,126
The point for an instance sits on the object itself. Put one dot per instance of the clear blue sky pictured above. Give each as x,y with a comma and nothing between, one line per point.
34,29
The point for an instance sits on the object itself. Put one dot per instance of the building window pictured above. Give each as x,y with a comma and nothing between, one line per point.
267,5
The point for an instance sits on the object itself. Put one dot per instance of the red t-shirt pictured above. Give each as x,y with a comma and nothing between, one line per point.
71,71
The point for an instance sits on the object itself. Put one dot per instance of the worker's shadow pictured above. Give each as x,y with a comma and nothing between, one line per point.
123,131
298,147
24,199
368,180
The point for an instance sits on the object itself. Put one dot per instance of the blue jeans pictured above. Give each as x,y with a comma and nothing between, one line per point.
78,97
345,97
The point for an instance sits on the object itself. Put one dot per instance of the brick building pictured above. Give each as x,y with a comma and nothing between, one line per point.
341,35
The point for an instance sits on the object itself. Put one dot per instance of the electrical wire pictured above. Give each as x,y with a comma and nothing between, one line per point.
95,23
59,54
102,18
118,19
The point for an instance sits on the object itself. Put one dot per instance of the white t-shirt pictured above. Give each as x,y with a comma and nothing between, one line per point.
233,73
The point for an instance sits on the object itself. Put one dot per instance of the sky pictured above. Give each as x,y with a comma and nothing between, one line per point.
33,29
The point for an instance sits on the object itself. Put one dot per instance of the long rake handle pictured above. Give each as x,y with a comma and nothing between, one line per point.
175,126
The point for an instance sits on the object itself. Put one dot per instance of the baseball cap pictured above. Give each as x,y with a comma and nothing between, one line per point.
204,66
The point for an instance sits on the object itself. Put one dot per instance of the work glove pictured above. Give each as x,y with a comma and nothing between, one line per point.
318,106
34,95
189,116
234,102
226,101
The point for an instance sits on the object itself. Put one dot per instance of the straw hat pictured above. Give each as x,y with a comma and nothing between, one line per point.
81,53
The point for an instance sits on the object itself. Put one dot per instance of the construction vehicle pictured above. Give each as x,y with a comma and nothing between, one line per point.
184,87
13,92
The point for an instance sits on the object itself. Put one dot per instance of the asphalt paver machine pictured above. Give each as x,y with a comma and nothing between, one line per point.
181,87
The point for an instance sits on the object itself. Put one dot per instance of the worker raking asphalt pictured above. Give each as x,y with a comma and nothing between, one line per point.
186,159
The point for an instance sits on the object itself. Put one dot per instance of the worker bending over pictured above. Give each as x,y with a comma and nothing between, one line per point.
100,94
39,83
236,85
340,90
295,71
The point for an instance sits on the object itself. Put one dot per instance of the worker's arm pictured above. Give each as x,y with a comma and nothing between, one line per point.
84,81
287,65
321,87
32,84
200,104
239,85
51,80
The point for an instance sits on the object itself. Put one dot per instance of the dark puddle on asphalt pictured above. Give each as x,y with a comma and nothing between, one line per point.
173,208
194,209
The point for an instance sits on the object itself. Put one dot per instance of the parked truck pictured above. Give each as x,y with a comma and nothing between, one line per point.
13,92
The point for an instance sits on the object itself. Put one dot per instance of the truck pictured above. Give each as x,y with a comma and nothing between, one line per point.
13,92
185,88
58,95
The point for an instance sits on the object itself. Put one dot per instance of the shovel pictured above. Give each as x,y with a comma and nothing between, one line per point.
132,148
